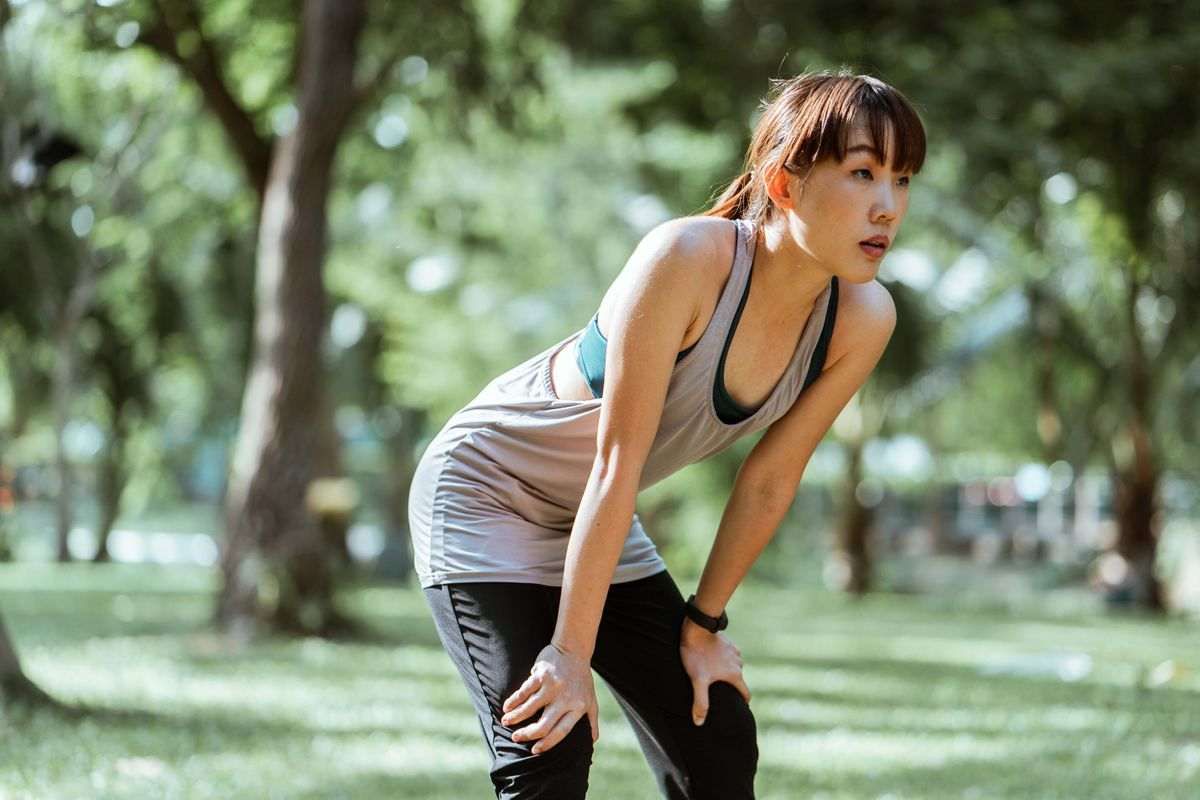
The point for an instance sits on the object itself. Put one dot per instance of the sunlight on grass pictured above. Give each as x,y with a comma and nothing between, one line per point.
885,698
867,752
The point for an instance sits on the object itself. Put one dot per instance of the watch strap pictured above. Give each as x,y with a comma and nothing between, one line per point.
710,624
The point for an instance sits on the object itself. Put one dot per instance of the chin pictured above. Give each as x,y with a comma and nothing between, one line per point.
865,274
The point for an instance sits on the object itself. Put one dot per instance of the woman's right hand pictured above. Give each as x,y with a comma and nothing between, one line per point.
561,684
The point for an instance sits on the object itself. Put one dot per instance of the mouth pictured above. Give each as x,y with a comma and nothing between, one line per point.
875,247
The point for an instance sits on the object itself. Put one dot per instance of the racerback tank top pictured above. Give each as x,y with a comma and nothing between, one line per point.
495,493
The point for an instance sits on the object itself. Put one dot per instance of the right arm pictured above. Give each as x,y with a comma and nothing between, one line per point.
653,310
658,295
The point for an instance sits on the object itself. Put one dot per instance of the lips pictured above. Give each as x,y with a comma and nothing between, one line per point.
874,247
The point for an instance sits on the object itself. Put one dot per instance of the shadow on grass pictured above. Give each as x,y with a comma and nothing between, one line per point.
1052,772
381,784
989,688
233,732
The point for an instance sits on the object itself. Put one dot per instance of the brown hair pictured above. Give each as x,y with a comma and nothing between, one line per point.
808,118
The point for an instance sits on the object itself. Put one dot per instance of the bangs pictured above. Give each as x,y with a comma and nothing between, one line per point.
843,102
815,116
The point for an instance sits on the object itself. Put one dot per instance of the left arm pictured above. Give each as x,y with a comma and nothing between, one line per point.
767,480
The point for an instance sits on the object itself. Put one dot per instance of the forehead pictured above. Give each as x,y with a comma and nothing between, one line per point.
860,141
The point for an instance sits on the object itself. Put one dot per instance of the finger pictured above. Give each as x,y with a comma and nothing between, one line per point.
526,709
551,714
699,700
556,734
527,688
739,683
594,720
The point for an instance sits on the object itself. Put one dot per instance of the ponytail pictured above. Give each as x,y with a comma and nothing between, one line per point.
734,202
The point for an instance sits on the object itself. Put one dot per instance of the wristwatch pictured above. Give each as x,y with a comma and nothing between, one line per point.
710,624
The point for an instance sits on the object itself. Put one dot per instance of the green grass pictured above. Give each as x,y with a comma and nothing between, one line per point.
892,697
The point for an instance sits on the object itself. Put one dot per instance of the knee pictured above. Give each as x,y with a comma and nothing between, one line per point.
730,714
728,755
560,772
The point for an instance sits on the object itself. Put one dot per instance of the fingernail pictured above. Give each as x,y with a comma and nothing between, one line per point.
698,720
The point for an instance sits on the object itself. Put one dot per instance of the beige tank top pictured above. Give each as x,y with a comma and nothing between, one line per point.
495,493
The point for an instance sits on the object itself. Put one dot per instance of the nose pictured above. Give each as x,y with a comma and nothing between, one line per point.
885,207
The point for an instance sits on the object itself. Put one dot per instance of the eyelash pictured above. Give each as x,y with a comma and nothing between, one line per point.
904,178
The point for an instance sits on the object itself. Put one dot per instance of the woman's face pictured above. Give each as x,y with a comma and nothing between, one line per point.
845,214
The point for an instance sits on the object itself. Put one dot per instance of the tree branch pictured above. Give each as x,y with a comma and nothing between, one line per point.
173,18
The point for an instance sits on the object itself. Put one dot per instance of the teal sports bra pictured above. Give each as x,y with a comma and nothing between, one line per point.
591,348
590,352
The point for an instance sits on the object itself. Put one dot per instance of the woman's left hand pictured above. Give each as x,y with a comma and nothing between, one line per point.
708,658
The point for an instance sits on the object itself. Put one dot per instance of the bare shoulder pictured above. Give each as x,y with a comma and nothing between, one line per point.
683,257
696,243
866,318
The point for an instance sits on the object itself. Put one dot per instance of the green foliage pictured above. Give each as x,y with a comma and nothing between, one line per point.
516,152
500,242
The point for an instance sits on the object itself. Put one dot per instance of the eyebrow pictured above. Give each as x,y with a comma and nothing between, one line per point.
866,148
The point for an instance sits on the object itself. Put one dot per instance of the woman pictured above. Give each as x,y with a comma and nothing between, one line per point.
527,544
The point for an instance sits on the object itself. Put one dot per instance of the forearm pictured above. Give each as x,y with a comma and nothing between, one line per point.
597,537
749,522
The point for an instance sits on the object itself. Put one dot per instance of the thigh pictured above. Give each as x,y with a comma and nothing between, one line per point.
637,654
493,633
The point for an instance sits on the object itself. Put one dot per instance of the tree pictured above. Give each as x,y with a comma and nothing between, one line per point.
274,562
284,440
1106,96
15,687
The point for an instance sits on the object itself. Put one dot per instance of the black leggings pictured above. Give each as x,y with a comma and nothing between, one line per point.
494,631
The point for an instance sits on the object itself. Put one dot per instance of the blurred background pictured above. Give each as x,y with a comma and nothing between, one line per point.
255,254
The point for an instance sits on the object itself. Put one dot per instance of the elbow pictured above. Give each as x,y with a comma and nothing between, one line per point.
613,472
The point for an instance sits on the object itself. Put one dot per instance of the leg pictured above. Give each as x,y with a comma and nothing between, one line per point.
637,654
493,632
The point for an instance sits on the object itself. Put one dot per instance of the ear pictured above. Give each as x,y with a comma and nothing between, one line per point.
783,189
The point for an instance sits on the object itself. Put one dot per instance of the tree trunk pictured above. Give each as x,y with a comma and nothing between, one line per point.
62,391
112,484
275,564
851,570
15,687
1046,332
1135,508
1135,472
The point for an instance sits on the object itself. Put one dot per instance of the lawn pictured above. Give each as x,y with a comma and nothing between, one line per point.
897,696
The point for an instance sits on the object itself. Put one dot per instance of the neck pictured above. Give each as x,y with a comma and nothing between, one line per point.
790,276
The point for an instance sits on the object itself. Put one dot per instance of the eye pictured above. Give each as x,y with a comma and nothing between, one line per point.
865,172
903,181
